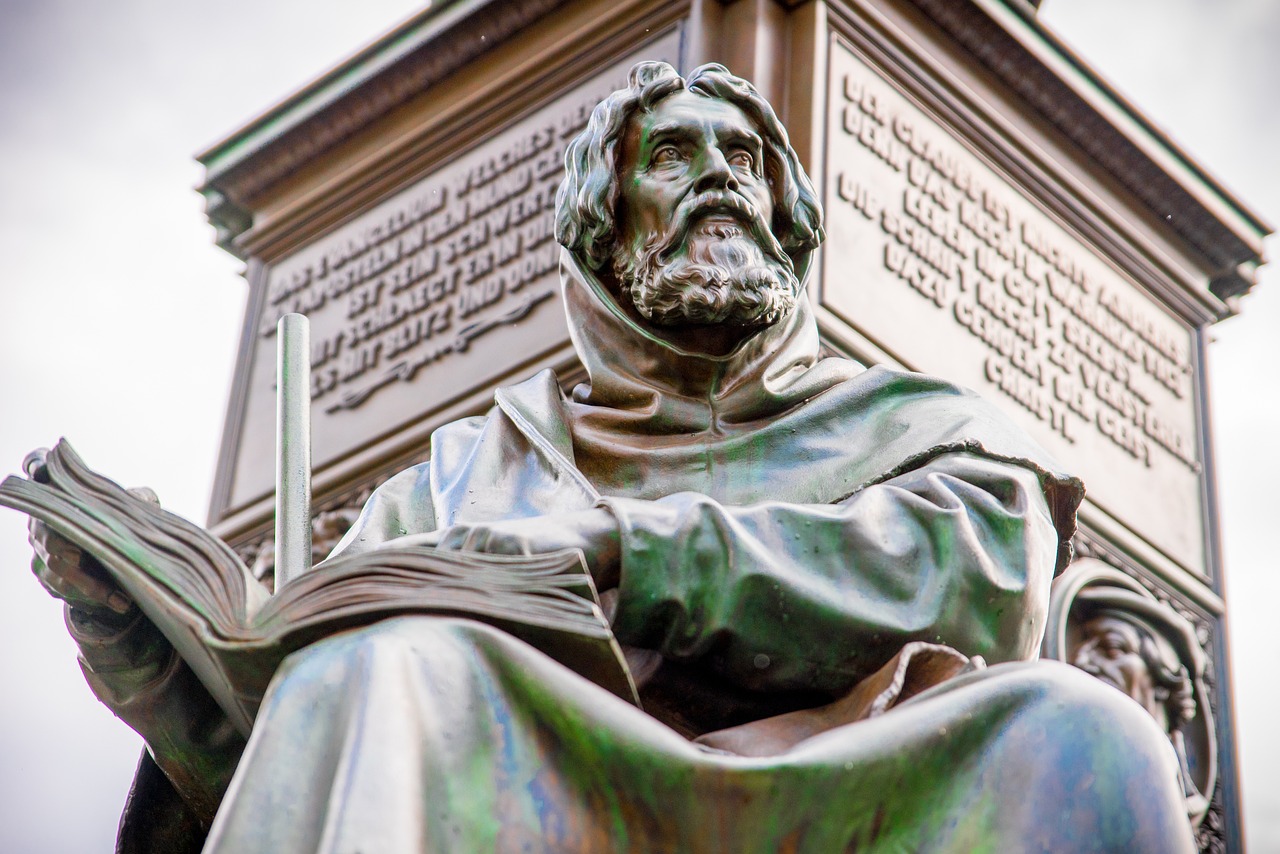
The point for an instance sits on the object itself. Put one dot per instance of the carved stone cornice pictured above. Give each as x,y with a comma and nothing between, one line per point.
370,85
1114,135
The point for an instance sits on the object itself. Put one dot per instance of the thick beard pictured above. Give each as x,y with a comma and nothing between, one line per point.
719,275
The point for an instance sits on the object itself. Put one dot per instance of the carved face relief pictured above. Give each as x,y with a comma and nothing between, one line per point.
694,218
1111,650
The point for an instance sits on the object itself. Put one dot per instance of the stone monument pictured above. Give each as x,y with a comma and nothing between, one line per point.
994,216
809,564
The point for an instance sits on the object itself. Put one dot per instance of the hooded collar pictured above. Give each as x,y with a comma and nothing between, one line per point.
770,419
642,384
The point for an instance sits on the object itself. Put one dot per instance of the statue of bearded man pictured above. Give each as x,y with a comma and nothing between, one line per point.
829,581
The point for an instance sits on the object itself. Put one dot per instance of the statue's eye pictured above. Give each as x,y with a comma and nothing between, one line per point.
666,154
741,159
1114,647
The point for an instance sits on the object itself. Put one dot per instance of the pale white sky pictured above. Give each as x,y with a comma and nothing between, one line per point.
119,319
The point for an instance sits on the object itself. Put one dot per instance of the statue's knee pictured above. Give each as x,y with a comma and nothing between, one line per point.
1095,707
1100,759
1088,734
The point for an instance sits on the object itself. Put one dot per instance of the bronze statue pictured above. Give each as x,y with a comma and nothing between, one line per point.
811,566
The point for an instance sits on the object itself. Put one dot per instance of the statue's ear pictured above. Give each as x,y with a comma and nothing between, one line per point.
783,224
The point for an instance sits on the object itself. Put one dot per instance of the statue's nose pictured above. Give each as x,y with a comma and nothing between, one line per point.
715,173
1084,657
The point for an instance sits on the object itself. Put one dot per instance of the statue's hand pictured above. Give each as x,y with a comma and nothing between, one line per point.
75,577
593,531
72,575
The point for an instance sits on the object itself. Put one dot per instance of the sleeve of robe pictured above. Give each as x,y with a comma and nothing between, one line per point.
137,674
960,551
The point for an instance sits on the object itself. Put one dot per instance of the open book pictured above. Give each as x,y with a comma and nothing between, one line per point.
234,633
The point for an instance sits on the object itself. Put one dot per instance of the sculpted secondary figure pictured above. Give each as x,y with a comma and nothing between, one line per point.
830,582
1125,638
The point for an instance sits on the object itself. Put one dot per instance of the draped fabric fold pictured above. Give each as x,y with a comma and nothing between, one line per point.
461,739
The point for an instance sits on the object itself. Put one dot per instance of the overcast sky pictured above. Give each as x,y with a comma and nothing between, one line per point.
119,318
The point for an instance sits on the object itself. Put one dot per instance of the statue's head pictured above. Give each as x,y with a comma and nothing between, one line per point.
686,195
1136,654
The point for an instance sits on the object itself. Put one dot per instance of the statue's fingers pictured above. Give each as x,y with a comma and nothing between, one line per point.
430,540
479,539
39,549
55,550
51,583
496,539
55,585
68,580
95,588
38,534
454,538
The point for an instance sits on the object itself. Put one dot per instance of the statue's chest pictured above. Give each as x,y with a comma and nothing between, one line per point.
775,464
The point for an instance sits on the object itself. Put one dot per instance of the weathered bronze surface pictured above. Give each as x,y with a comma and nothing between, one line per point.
832,581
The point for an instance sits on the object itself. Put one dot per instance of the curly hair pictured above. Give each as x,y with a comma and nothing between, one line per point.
588,197
1172,681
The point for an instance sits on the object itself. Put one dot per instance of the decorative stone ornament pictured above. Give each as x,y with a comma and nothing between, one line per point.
1110,626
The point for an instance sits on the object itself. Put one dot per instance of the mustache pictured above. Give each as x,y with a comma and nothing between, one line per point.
663,244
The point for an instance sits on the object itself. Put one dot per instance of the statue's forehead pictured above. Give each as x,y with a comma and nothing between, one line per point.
690,111
1102,623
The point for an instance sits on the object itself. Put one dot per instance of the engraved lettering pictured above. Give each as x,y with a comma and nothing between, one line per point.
461,247
1064,338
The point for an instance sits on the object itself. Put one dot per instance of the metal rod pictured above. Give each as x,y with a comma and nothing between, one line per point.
293,448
